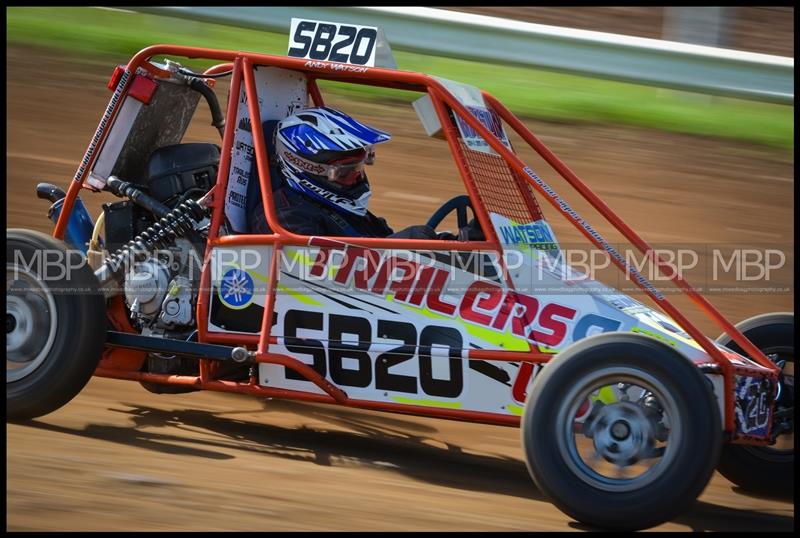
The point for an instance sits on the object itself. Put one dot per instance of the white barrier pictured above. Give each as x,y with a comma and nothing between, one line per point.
468,36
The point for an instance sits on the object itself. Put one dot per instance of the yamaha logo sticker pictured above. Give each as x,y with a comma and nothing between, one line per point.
236,289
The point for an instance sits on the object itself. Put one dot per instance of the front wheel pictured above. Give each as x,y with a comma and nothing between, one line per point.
55,324
643,450
767,469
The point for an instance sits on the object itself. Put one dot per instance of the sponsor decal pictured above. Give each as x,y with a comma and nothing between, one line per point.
237,199
303,164
328,195
337,67
535,234
242,176
245,125
236,289
101,128
472,99
246,149
488,119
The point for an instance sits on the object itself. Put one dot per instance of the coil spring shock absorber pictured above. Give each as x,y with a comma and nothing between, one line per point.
177,223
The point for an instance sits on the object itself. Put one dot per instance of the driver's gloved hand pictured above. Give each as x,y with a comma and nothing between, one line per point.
419,231
471,232
423,231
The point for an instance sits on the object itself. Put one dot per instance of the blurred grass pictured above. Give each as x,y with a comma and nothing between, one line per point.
527,92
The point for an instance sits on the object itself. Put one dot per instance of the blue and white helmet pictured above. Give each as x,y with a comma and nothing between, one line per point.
322,153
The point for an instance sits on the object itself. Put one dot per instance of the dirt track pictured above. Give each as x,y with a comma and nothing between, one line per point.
120,458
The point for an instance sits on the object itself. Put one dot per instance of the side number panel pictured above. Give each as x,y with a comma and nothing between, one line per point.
384,359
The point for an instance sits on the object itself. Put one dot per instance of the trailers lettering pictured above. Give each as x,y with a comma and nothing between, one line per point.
483,303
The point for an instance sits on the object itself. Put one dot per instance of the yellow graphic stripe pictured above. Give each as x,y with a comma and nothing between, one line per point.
506,340
299,254
653,334
299,296
429,403
605,395
515,409
257,276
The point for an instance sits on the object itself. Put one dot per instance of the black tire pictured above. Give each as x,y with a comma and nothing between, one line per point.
765,470
55,324
551,436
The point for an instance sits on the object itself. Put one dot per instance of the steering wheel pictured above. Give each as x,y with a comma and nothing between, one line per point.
460,205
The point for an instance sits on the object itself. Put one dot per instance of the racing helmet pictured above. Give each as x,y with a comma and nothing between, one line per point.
322,153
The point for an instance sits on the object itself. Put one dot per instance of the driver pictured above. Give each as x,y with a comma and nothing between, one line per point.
321,154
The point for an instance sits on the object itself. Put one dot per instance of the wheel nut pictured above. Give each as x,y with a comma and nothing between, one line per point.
620,430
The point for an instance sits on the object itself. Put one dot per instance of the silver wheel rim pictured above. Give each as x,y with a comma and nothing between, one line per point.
630,444
30,322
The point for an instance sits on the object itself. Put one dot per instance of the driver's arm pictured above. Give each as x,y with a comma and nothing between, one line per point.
419,231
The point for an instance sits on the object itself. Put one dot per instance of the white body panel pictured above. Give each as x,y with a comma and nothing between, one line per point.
280,93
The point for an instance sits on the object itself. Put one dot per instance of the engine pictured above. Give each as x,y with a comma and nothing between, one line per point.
160,287
160,291
157,240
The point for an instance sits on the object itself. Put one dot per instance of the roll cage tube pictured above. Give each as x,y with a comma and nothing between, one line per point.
242,64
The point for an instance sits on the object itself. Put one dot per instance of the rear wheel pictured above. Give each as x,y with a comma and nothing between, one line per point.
767,469
55,324
646,447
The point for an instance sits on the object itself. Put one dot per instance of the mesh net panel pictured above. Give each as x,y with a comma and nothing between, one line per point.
500,189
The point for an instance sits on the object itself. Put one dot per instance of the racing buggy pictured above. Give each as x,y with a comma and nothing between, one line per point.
625,410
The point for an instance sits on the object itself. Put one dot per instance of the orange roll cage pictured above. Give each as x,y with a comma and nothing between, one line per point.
125,363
